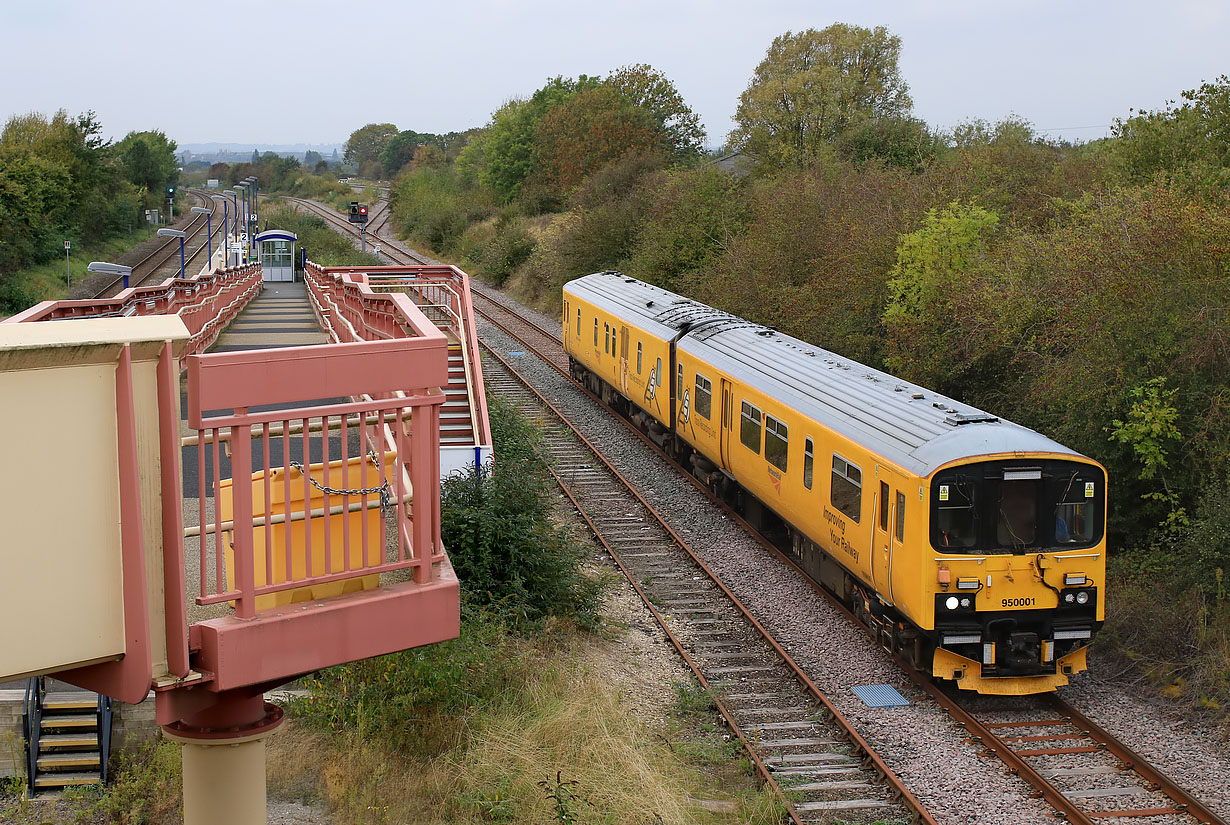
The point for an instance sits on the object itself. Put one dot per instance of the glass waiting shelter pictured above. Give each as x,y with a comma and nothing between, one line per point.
277,254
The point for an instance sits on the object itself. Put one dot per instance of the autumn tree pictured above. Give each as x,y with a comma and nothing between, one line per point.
646,87
586,132
813,86
508,148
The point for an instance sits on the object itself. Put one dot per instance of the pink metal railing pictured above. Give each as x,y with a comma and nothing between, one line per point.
205,303
441,292
392,416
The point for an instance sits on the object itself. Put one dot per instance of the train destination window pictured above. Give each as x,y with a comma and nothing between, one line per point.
1018,513
704,396
749,427
900,526
956,512
847,491
639,354
883,506
775,442
809,461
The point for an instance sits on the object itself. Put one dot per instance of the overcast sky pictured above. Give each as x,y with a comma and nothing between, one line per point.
263,73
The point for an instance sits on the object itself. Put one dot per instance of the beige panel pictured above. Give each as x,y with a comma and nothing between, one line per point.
61,581
59,504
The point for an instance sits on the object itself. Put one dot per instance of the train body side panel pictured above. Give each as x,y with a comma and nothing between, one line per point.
631,360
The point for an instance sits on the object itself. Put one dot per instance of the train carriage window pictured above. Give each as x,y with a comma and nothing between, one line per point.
579,322
639,354
595,332
809,461
900,526
679,380
606,338
749,427
704,396
956,512
775,442
883,506
847,488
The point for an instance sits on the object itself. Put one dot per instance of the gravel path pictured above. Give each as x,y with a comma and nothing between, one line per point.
919,742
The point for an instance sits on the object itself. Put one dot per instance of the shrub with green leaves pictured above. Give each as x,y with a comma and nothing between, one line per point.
497,524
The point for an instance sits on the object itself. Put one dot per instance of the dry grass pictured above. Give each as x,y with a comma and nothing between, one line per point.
570,729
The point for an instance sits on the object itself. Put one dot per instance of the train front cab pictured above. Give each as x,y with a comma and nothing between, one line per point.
1018,556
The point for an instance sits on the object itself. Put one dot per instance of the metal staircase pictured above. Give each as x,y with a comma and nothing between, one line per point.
68,737
456,421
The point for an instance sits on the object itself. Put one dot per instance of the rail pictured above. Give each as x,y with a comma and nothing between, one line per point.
205,303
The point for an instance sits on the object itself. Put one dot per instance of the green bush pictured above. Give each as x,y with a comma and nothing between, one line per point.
498,526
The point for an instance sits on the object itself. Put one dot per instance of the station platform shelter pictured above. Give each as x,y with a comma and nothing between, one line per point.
276,248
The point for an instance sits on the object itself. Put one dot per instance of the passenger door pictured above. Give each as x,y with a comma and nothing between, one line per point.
888,532
724,432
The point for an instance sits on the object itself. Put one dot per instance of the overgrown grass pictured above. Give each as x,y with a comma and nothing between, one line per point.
554,742
48,282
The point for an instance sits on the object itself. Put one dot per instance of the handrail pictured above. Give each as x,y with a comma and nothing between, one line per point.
32,722
103,715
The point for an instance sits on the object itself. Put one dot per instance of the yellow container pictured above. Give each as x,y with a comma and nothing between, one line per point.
362,473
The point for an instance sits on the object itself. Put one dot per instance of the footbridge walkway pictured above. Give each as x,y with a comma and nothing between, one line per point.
275,513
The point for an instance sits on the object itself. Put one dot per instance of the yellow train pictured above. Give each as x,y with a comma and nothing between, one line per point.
972,545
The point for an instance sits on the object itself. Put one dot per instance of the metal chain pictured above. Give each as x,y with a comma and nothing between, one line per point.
386,496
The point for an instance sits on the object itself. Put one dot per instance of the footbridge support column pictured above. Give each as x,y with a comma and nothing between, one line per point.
224,761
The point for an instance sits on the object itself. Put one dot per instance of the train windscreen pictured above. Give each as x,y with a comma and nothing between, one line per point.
1006,507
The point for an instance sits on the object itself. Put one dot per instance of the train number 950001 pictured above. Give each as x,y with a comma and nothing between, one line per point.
1024,602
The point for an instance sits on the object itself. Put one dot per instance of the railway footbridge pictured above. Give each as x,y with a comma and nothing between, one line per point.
256,469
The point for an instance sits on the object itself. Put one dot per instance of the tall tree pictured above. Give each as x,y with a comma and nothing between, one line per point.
365,143
813,86
646,87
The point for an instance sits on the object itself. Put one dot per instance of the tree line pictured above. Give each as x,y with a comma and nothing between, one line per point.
60,180
1080,289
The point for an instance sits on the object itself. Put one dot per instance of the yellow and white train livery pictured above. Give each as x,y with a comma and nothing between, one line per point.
973,546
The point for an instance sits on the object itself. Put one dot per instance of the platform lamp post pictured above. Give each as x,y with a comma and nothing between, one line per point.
253,212
209,241
242,186
176,233
234,199
110,269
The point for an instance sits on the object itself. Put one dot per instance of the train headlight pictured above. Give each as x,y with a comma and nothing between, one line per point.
951,603
1069,598
1082,597
965,602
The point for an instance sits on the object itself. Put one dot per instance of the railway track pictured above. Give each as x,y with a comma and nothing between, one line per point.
801,745
1080,769
1083,772
164,254
390,247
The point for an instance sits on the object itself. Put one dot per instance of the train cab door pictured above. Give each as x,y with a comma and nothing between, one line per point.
567,319
727,428
888,531
623,359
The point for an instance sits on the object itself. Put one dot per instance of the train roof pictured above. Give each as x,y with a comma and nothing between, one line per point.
908,425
